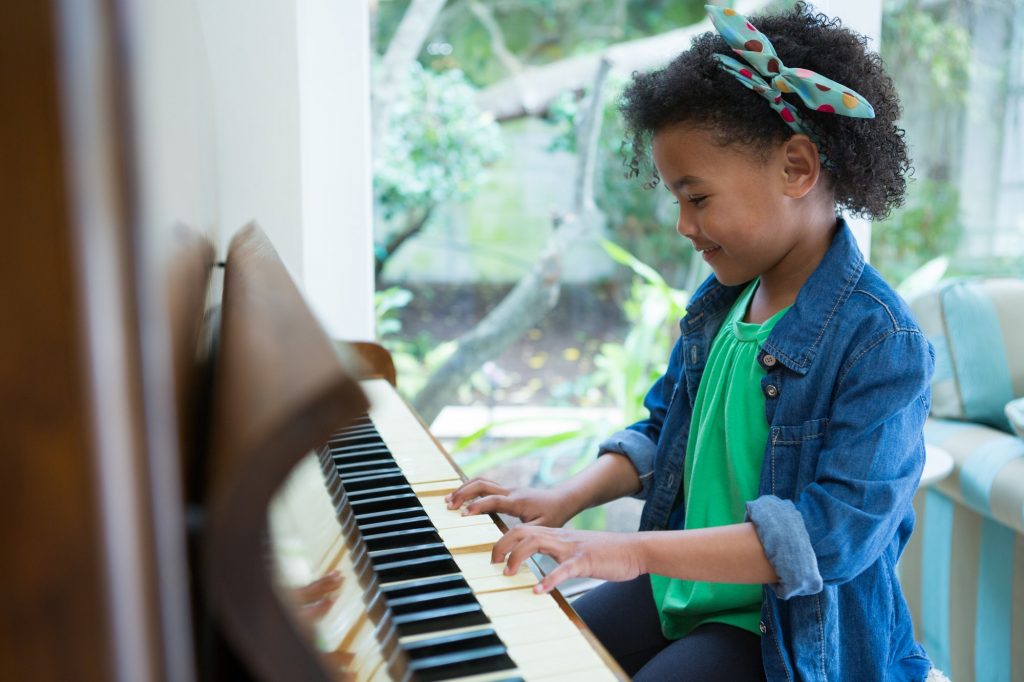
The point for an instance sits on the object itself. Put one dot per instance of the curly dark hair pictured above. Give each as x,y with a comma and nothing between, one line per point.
866,159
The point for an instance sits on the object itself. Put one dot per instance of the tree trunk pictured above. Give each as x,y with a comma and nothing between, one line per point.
537,292
530,92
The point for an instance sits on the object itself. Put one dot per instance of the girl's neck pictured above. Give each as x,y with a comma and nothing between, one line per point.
779,286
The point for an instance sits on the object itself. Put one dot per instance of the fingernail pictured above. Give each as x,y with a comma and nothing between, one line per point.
465,512
508,570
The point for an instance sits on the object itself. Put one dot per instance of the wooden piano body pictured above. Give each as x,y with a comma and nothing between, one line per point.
299,469
163,441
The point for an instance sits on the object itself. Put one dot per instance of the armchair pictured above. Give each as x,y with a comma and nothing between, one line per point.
963,570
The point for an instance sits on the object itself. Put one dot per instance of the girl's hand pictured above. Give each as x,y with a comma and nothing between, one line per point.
610,556
533,506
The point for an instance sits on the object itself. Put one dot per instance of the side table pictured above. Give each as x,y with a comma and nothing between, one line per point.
938,464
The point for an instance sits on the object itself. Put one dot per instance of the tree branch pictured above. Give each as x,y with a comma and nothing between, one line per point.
530,93
537,292
486,17
395,241
402,51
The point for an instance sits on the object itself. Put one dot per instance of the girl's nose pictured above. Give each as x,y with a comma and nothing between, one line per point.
685,226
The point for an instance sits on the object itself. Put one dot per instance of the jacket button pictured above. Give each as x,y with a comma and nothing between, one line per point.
693,354
771,391
769,360
762,627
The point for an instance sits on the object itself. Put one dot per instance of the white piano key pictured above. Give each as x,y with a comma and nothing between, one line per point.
419,457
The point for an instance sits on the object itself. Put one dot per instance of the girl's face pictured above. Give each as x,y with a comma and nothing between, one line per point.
740,211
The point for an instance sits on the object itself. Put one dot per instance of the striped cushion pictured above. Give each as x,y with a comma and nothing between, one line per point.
976,327
988,469
963,577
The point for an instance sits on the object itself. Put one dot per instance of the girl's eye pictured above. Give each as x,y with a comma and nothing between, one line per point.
697,201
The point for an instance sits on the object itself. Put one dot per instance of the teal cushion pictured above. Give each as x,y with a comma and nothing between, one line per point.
973,325
1015,413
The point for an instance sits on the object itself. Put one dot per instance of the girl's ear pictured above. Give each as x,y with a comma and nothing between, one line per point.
801,166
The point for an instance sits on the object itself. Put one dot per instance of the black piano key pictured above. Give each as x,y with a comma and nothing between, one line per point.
378,492
356,429
439,563
414,587
361,434
458,655
452,596
414,520
439,619
409,552
451,643
360,453
401,538
399,512
367,425
385,503
463,664
358,470
359,480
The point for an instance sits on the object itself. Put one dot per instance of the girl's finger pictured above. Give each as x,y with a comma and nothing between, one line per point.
478,487
543,542
505,544
490,504
565,570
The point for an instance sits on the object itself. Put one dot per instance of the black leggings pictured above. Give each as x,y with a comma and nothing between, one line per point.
624,617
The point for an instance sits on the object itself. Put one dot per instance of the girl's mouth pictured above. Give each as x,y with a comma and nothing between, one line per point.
708,254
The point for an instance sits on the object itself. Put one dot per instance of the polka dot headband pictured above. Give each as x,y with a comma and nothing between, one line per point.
816,91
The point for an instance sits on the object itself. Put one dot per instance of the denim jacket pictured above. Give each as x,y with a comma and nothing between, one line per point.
846,395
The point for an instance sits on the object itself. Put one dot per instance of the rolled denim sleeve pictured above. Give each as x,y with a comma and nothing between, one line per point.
867,471
639,449
639,441
784,537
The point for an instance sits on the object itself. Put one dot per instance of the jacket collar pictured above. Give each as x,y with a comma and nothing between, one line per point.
797,336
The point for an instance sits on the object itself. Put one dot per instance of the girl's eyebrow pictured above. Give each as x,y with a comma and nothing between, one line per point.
686,180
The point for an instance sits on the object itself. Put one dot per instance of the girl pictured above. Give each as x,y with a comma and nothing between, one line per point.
784,442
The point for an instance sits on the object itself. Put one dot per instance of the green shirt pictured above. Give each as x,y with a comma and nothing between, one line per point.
722,471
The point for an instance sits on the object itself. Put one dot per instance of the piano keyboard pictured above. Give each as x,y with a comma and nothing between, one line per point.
419,598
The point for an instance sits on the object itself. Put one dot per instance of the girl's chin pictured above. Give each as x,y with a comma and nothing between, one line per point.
731,279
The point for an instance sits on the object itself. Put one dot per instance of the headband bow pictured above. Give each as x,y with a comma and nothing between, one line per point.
816,91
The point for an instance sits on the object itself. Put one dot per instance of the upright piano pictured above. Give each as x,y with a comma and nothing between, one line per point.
359,492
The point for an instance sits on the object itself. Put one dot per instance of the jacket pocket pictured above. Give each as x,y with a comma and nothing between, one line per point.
793,455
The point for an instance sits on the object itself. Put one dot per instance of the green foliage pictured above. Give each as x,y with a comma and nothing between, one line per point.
414,357
926,227
386,304
925,54
438,145
624,370
540,31
640,219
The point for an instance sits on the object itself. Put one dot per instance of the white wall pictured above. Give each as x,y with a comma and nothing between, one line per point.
337,225
254,62
291,96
